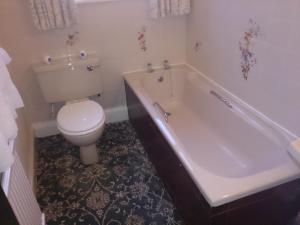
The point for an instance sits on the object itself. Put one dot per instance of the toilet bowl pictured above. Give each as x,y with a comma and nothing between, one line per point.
82,123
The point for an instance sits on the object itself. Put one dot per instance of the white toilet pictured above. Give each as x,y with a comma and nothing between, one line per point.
81,121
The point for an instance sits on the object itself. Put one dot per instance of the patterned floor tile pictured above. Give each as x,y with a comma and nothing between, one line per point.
123,188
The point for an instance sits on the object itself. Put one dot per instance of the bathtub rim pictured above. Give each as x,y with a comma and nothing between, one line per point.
232,188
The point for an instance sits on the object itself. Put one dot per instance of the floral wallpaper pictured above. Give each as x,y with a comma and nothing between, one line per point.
248,59
197,46
142,39
72,38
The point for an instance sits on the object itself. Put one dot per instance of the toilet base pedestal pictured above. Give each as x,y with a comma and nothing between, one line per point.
88,154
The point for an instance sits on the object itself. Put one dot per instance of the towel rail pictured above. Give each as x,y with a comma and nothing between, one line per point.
161,109
222,99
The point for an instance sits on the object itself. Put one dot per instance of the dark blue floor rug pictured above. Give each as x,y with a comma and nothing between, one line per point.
122,189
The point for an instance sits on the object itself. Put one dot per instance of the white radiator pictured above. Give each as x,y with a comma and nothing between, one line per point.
20,195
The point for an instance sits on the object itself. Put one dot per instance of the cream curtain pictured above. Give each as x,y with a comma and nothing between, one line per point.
53,14
164,8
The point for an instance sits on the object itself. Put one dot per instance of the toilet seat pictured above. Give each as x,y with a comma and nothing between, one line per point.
80,118
83,133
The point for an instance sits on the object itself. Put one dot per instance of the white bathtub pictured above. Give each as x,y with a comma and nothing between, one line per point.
229,149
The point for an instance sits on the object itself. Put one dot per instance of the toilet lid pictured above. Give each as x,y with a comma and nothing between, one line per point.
80,116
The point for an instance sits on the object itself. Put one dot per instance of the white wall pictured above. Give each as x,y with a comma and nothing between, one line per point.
110,28
273,86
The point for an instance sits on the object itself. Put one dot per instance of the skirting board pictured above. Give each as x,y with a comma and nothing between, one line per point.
49,128
116,114
45,128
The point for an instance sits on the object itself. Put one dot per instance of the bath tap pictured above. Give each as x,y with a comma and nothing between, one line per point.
166,65
165,113
150,68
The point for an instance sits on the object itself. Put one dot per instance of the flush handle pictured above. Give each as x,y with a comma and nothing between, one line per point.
91,68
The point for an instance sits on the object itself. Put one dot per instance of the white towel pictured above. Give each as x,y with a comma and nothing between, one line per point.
4,56
8,90
164,8
6,156
8,128
10,100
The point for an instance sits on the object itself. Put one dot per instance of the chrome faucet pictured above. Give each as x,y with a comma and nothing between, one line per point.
166,65
150,68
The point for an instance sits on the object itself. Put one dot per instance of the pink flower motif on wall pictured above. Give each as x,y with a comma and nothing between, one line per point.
247,56
72,38
197,46
142,39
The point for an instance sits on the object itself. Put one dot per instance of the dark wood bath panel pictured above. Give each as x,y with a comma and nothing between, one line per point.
276,206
